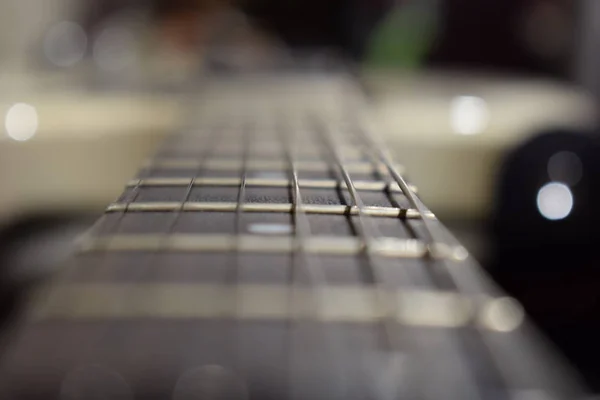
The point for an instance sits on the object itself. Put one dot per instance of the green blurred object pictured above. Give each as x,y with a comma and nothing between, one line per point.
405,36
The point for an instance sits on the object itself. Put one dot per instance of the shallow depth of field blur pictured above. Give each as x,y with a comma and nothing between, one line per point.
490,105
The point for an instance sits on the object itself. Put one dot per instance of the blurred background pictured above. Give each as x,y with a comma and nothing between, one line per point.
491,106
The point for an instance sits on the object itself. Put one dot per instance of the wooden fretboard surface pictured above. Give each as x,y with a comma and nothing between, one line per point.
271,250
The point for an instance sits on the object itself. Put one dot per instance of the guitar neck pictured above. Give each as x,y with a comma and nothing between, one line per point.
274,249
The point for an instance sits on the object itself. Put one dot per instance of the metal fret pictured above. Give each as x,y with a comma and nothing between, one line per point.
382,246
262,182
357,304
391,212
179,209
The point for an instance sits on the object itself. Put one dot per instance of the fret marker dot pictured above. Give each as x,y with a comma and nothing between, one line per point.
270,229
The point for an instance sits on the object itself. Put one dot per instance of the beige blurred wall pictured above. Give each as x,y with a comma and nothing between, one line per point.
85,149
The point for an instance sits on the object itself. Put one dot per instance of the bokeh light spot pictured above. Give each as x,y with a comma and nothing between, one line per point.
469,115
21,121
555,201
65,44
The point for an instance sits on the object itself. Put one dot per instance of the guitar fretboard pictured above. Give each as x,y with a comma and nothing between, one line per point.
275,239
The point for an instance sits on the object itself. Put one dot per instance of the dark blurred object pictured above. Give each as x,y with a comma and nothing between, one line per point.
31,248
534,36
339,24
546,238
520,222
343,24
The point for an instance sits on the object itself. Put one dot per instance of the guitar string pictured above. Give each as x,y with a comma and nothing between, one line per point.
105,336
372,149
76,263
301,260
397,344
105,329
104,256
109,329
247,130
312,264
211,144
417,348
366,232
428,240
211,141
493,371
86,354
135,191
